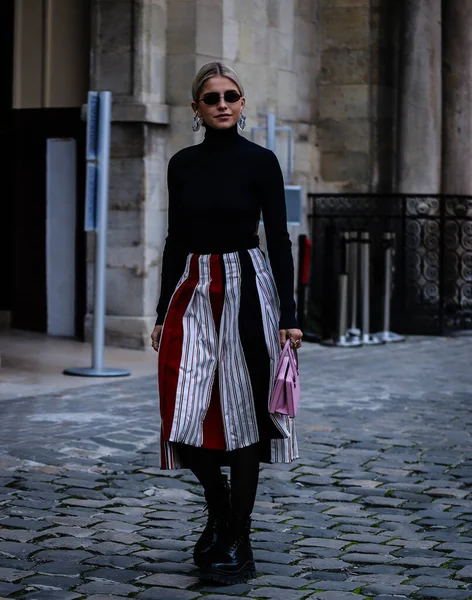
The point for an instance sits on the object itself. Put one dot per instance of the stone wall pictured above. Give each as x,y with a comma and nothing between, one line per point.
147,53
356,94
313,63
129,59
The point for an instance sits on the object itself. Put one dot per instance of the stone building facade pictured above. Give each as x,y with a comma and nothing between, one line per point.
370,89
147,53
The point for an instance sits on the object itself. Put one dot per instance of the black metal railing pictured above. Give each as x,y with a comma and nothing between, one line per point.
432,277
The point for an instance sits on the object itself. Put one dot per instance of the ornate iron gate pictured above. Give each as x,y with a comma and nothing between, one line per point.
432,279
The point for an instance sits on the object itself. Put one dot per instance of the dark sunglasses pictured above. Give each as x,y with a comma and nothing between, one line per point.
213,98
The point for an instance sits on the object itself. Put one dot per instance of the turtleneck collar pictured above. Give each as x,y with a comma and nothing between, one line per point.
221,136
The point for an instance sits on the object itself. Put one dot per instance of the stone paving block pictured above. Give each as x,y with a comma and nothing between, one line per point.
166,567
113,548
217,597
52,581
66,543
465,574
157,593
52,595
330,585
325,564
169,580
163,555
277,594
104,597
27,524
388,597
442,594
274,557
238,590
18,535
316,551
431,582
277,569
278,581
420,561
323,543
12,575
367,559
107,587
370,549
379,589
18,549
122,562
379,570
335,596
6,589
118,575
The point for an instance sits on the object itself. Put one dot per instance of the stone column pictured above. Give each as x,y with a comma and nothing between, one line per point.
128,58
457,97
195,37
419,124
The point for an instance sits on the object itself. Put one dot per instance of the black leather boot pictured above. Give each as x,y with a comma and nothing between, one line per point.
219,504
233,561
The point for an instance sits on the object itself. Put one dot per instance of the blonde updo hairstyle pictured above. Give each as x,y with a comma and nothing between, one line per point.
214,69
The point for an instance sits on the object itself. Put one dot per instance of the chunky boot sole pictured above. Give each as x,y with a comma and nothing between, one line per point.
247,571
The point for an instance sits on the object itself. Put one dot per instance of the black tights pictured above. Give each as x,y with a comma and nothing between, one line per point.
244,464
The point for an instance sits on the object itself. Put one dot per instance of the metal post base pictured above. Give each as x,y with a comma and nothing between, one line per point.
342,342
353,337
389,336
371,340
348,341
91,372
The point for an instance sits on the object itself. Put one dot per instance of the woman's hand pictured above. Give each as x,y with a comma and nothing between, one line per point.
156,336
295,335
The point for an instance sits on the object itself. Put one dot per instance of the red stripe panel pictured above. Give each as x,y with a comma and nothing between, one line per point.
213,431
170,352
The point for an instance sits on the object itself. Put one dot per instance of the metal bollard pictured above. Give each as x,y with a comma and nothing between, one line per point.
341,339
367,337
353,333
386,335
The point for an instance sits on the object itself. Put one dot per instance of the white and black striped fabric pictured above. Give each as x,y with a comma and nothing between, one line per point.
221,329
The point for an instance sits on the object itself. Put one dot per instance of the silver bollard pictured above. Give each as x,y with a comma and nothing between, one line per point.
342,339
367,337
353,333
386,335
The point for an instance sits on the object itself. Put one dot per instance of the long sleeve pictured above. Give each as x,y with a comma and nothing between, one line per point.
279,246
175,254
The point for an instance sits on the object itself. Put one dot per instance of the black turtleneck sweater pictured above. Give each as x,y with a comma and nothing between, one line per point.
217,191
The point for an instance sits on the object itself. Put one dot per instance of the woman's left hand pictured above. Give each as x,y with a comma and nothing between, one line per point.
295,336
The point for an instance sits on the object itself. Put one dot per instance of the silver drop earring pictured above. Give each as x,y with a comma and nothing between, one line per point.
242,121
197,123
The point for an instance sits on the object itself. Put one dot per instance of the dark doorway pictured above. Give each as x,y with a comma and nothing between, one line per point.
6,142
33,127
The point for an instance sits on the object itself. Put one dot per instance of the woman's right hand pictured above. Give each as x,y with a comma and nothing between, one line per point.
156,337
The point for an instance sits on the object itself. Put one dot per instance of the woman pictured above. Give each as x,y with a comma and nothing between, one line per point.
224,320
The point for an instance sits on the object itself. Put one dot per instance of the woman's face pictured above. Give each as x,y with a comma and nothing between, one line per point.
225,113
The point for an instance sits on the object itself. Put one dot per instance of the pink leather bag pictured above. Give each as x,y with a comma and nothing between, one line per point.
285,396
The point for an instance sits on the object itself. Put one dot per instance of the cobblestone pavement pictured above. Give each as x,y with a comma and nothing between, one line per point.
378,506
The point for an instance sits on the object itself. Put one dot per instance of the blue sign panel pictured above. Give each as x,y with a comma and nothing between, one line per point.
90,197
92,126
293,202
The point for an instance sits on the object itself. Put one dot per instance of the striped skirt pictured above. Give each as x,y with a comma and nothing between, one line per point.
217,357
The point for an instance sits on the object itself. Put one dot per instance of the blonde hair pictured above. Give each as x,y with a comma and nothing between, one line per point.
214,69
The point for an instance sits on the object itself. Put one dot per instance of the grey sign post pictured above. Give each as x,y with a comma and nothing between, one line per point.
293,193
96,215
